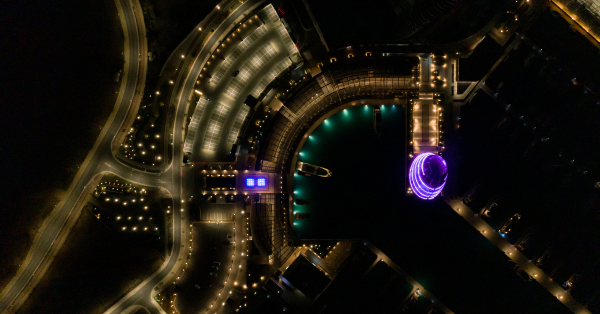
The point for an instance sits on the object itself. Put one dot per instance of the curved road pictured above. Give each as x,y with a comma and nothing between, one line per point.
100,159
91,166
177,179
142,295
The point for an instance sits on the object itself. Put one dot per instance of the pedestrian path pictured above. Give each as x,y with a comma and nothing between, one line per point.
515,255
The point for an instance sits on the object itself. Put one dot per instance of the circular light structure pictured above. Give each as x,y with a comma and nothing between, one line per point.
427,175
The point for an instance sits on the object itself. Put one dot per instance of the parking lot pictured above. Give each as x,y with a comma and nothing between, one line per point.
196,288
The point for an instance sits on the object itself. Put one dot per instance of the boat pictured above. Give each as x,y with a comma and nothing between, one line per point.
377,119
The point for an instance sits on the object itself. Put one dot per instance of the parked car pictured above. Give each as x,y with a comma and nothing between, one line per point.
213,274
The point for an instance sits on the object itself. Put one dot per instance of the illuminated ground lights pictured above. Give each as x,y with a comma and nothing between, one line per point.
427,175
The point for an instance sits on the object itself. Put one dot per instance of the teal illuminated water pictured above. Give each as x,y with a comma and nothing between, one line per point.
368,172
364,199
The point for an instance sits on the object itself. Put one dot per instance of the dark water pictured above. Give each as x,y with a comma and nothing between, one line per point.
368,173
364,199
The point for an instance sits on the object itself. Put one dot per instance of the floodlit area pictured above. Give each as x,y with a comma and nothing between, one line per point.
239,50
235,129
264,51
249,69
269,77
215,125
426,128
319,157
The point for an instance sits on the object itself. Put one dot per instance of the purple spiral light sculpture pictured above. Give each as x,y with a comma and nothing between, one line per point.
427,175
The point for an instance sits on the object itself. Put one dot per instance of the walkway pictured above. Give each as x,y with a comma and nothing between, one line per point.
515,255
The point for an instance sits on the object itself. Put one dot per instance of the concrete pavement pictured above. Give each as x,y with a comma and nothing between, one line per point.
101,159
509,249
180,188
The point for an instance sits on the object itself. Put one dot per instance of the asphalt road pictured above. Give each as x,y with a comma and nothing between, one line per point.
101,159
177,179
216,93
515,255
210,244
56,221
142,295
